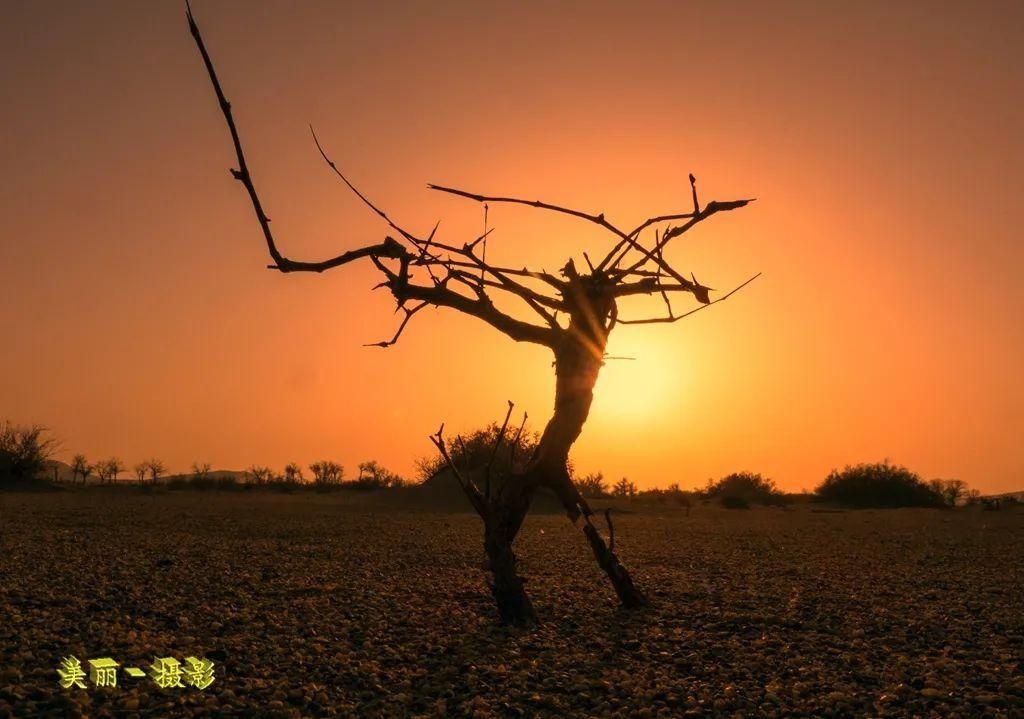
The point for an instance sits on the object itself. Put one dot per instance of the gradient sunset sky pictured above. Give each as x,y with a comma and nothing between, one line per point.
883,141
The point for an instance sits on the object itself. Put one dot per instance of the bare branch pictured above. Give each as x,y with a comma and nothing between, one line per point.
659,320
494,451
596,219
408,316
673,232
611,529
515,442
481,308
468,486
360,195
388,248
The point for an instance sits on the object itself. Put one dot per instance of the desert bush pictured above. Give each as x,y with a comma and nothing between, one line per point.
878,485
373,476
593,486
24,452
228,482
672,493
473,452
178,482
624,489
734,501
750,487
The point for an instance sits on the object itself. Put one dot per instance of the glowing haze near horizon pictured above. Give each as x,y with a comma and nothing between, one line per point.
882,140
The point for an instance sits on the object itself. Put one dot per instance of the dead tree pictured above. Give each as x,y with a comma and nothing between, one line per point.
576,309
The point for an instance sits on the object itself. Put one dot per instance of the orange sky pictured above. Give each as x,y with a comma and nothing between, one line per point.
882,140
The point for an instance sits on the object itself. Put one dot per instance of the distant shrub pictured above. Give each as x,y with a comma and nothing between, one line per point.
373,476
878,485
228,482
472,453
747,486
593,486
732,501
672,493
996,503
624,489
24,452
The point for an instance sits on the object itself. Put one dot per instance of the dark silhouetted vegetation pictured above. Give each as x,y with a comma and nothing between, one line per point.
879,485
593,486
373,476
471,453
749,487
624,489
672,493
24,452
734,501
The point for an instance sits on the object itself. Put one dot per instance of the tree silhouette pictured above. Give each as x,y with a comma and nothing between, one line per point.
156,469
576,310
326,473
293,473
108,469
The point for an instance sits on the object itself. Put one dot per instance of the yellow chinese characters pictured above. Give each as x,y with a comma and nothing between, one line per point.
71,673
103,672
166,672
198,672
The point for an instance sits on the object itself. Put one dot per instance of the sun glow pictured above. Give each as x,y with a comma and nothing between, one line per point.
641,380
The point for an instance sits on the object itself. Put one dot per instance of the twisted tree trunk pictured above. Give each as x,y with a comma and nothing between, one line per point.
578,360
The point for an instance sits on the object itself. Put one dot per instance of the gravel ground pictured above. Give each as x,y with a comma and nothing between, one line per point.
336,605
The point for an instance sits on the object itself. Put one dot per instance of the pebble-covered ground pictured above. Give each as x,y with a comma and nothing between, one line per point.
335,605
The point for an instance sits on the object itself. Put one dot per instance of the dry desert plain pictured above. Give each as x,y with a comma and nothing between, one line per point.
351,604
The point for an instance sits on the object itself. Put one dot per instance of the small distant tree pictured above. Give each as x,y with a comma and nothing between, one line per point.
79,467
373,476
114,467
141,470
972,498
624,488
156,469
24,452
108,469
201,472
878,485
951,490
593,486
293,474
258,474
326,473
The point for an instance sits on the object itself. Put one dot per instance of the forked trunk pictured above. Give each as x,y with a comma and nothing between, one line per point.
577,363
